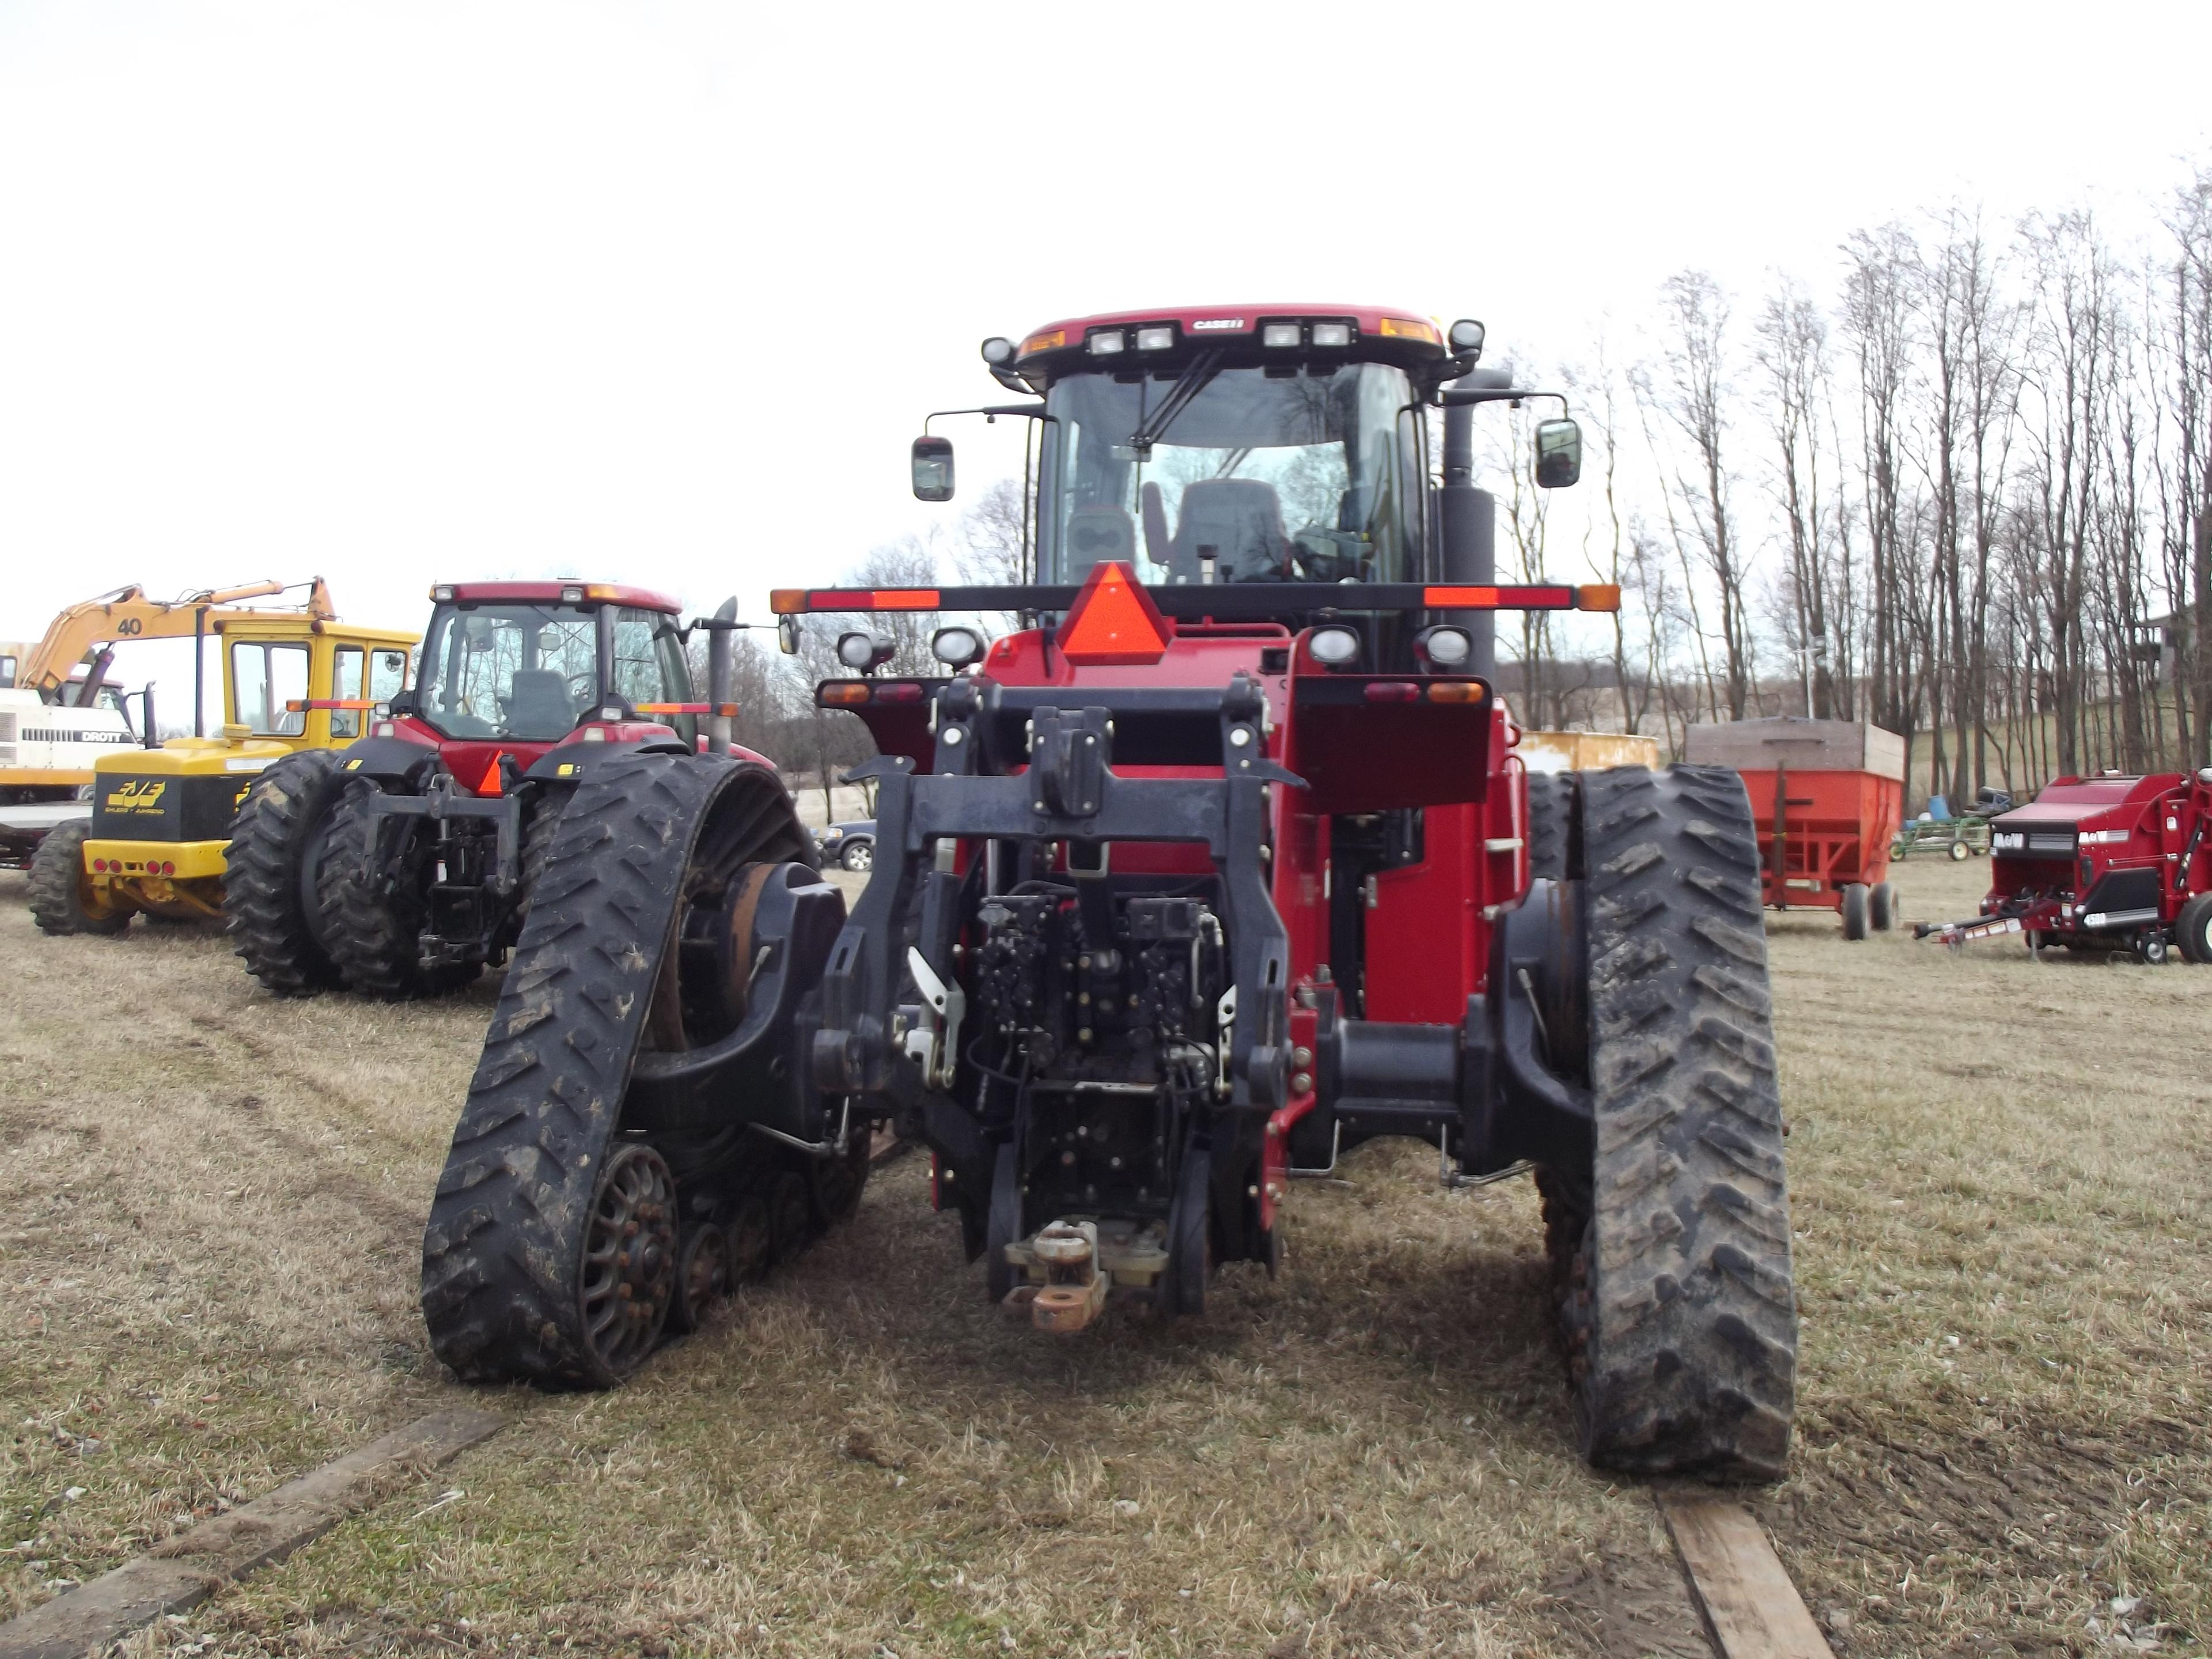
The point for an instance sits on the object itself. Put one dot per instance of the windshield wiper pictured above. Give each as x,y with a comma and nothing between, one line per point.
1195,379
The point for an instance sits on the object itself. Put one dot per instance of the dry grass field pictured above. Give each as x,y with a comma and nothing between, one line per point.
2003,1200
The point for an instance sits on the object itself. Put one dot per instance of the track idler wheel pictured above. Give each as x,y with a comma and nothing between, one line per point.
702,1277
628,1280
790,1218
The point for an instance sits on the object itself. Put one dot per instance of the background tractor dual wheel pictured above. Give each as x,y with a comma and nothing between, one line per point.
1671,1260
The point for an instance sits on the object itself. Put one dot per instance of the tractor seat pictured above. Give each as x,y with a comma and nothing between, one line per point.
1098,531
1241,519
537,706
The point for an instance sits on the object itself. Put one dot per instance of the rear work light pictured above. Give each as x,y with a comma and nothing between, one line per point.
1156,339
1332,334
1279,334
572,596
441,595
1106,342
998,349
1334,647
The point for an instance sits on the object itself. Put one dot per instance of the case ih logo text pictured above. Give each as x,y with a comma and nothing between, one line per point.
1206,324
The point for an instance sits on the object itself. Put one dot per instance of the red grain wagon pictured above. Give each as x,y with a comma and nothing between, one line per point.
1827,796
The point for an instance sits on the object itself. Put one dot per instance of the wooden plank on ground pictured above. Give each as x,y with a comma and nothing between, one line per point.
187,1569
1754,1610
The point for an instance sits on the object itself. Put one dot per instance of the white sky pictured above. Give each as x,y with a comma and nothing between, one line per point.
407,291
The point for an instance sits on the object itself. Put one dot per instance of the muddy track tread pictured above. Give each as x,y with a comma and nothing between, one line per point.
506,1225
51,889
1550,805
262,907
1677,1302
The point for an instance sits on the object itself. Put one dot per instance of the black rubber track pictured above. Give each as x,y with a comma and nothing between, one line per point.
1677,1302
264,891
375,937
1550,825
56,888
501,1252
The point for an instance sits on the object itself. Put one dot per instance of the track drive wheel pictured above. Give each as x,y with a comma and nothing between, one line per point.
375,936
271,870
517,1226
62,896
1672,1265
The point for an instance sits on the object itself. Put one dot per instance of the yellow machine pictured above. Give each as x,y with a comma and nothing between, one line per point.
160,826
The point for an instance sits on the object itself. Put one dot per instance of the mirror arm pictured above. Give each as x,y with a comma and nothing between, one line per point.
1034,412
1466,396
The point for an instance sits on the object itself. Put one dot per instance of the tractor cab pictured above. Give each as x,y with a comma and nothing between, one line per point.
514,668
1276,449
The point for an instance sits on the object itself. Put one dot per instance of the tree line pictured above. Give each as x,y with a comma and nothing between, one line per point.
1964,492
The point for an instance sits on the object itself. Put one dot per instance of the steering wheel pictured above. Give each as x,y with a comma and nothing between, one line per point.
583,689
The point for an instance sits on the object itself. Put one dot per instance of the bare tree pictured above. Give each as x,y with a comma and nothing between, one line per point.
1695,399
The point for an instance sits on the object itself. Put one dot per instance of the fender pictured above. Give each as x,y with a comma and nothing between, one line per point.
575,762
390,761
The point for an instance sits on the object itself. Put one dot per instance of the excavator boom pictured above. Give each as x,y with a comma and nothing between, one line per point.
128,614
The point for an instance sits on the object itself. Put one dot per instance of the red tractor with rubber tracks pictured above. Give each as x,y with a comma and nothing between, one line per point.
1218,867
2117,862
401,865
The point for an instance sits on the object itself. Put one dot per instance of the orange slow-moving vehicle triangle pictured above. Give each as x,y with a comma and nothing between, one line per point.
1113,620
488,784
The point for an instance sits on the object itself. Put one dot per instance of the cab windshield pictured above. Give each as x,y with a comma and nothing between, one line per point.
1310,475
530,672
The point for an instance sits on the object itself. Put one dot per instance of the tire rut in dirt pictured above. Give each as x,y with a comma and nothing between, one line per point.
375,937
501,1253
270,875
1677,1302
57,890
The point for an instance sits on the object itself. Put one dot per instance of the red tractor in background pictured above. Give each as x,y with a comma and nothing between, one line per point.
1219,866
401,865
2110,863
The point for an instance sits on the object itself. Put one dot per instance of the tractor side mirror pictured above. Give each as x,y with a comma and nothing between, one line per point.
932,469
786,635
1559,454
